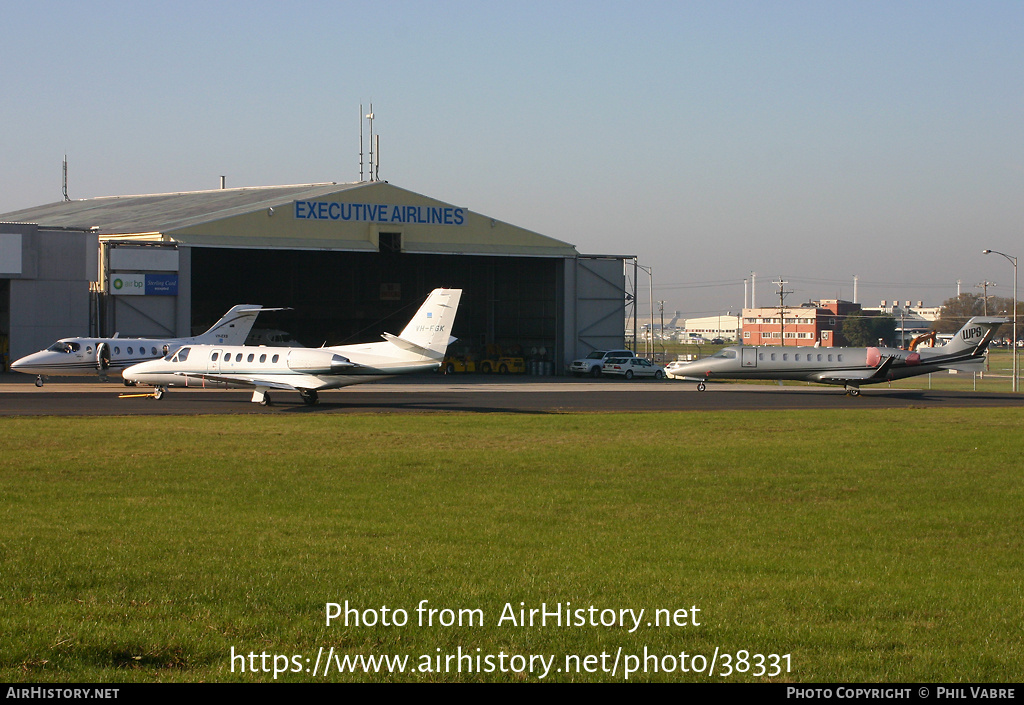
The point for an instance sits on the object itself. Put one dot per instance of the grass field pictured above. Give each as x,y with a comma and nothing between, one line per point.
877,546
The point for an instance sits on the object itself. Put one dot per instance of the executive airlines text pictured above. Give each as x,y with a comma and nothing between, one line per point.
379,213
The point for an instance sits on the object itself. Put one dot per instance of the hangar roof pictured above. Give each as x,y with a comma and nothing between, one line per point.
162,212
285,217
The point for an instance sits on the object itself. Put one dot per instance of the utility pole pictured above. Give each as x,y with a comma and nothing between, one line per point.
984,287
782,307
661,307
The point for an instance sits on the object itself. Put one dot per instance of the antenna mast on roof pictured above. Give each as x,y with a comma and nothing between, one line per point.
374,163
369,116
66,178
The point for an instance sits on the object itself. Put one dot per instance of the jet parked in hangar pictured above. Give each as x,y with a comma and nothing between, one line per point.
420,347
850,367
102,356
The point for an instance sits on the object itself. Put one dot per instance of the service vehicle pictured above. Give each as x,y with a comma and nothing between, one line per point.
592,363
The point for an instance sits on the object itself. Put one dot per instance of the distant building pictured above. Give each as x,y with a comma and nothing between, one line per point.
725,327
815,323
911,321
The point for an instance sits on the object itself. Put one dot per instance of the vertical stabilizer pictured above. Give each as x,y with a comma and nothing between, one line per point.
430,329
974,337
233,328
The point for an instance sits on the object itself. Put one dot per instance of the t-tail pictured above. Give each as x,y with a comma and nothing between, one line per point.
429,332
972,340
233,327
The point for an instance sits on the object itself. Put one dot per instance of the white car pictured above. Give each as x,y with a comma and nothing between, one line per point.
630,367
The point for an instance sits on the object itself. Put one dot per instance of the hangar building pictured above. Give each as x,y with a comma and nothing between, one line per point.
350,260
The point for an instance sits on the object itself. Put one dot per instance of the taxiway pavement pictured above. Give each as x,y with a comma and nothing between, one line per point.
469,394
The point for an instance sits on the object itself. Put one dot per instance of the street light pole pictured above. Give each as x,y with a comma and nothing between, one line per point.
1013,261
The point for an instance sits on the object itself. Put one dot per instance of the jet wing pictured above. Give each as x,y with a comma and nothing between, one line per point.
863,374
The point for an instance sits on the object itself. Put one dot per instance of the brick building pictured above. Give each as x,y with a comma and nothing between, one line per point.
818,322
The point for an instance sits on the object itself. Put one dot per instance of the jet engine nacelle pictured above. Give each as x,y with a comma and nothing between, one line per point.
317,362
875,358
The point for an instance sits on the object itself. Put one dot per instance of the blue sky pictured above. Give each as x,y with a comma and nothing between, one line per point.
809,140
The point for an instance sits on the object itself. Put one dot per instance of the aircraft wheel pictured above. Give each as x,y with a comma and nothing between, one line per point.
265,401
854,392
310,398
629,374
39,380
158,393
127,383
701,386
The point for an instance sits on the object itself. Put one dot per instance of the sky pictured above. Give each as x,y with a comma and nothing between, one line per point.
809,141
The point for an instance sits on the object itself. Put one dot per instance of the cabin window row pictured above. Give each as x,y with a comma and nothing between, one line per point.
251,357
806,357
131,351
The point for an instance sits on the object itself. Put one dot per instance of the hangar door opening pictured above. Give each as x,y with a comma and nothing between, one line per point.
349,297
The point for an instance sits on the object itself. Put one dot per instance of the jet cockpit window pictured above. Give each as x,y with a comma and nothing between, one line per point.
181,355
63,346
728,354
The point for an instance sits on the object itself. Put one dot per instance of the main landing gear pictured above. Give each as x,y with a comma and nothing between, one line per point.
309,397
852,390
39,380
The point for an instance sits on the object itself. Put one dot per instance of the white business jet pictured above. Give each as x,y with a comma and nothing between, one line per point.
102,356
850,367
420,347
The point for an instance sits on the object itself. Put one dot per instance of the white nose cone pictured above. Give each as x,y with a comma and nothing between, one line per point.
29,363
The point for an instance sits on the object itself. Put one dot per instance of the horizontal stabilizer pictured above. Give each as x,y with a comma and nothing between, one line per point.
411,346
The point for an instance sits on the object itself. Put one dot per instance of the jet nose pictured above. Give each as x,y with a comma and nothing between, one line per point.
136,372
23,364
